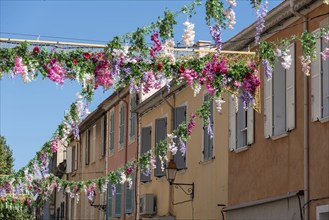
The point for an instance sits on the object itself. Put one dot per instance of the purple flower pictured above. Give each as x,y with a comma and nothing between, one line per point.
216,32
261,14
2,192
267,68
147,172
182,146
247,99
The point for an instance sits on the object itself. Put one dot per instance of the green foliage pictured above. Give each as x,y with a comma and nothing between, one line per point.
14,210
266,52
166,24
6,157
255,3
215,11
308,42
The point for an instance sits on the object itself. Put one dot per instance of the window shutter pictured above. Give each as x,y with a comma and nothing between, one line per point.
129,196
69,160
316,83
109,202
146,146
267,108
206,138
87,147
241,126
76,156
160,134
132,116
290,91
211,139
325,82
103,135
250,126
122,122
93,150
279,99
118,201
179,117
232,124
111,132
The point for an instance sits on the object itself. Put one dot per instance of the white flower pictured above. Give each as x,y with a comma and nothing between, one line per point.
123,178
306,64
277,52
172,147
196,88
326,2
189,34
219,103
286,63
230,15
232,3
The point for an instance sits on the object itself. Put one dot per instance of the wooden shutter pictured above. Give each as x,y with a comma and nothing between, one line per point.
118,201
179,117
93,150
69,160
122,122
279,99
109,202
211,121
290,91
76,156
325,82
250,126
129,196
103,134
267,108
112,132
232,124
160,134
207,139
146,146
87,147
241,126
316,83
132,116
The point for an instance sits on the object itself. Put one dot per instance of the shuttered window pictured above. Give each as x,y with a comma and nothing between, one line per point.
160,134
76,156
103,135
109,202
320,83
132,119
207,138
87,147
241,125
129,196
179,117
118,201
111,132
122,126
279,103
69,160
93,147
146,146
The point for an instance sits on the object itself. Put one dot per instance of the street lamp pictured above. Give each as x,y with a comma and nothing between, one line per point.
171,171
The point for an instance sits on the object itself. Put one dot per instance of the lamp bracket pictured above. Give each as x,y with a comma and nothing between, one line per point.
189,191
99,207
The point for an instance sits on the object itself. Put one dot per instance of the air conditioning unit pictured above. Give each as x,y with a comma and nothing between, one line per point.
147,204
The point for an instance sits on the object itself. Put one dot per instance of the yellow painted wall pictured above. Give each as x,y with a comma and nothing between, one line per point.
210,178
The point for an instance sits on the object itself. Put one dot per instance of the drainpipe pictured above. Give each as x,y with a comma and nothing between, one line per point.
137,175
306,125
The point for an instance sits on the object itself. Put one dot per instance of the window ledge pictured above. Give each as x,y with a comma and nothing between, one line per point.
324,120
204,162
241,149
279,136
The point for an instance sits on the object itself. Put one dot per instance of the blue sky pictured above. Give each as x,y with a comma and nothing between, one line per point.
30,113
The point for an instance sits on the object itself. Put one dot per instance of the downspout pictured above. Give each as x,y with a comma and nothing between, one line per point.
306,125
137,175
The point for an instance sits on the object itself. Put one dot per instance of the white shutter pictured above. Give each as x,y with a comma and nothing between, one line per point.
232,124
267,108
250,126
316,83
290,91
69,160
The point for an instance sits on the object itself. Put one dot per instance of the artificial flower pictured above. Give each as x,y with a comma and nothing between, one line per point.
189,34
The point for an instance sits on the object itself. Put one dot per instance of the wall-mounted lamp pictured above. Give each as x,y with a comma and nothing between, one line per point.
171,171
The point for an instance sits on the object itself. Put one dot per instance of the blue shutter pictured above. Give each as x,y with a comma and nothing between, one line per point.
279,99
146,146
160,134
109,202
325,82
118,201
129,196
207,139
112,132
132,116
179,117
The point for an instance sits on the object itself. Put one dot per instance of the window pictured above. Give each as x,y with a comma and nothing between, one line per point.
93,147
241,125
87,147
179,117
111,132
103,135
75,157
146,146
69,159
279,103
132,118
322,212
129,196
160,134
320,83
122,126
109,212
118,201
208,151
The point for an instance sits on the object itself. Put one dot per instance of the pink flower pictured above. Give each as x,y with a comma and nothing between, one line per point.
149,80
36,49
325,53
19,67
86,56
153,163
189,75
55,184
54,146
103,76
191,124
56,73
157,45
